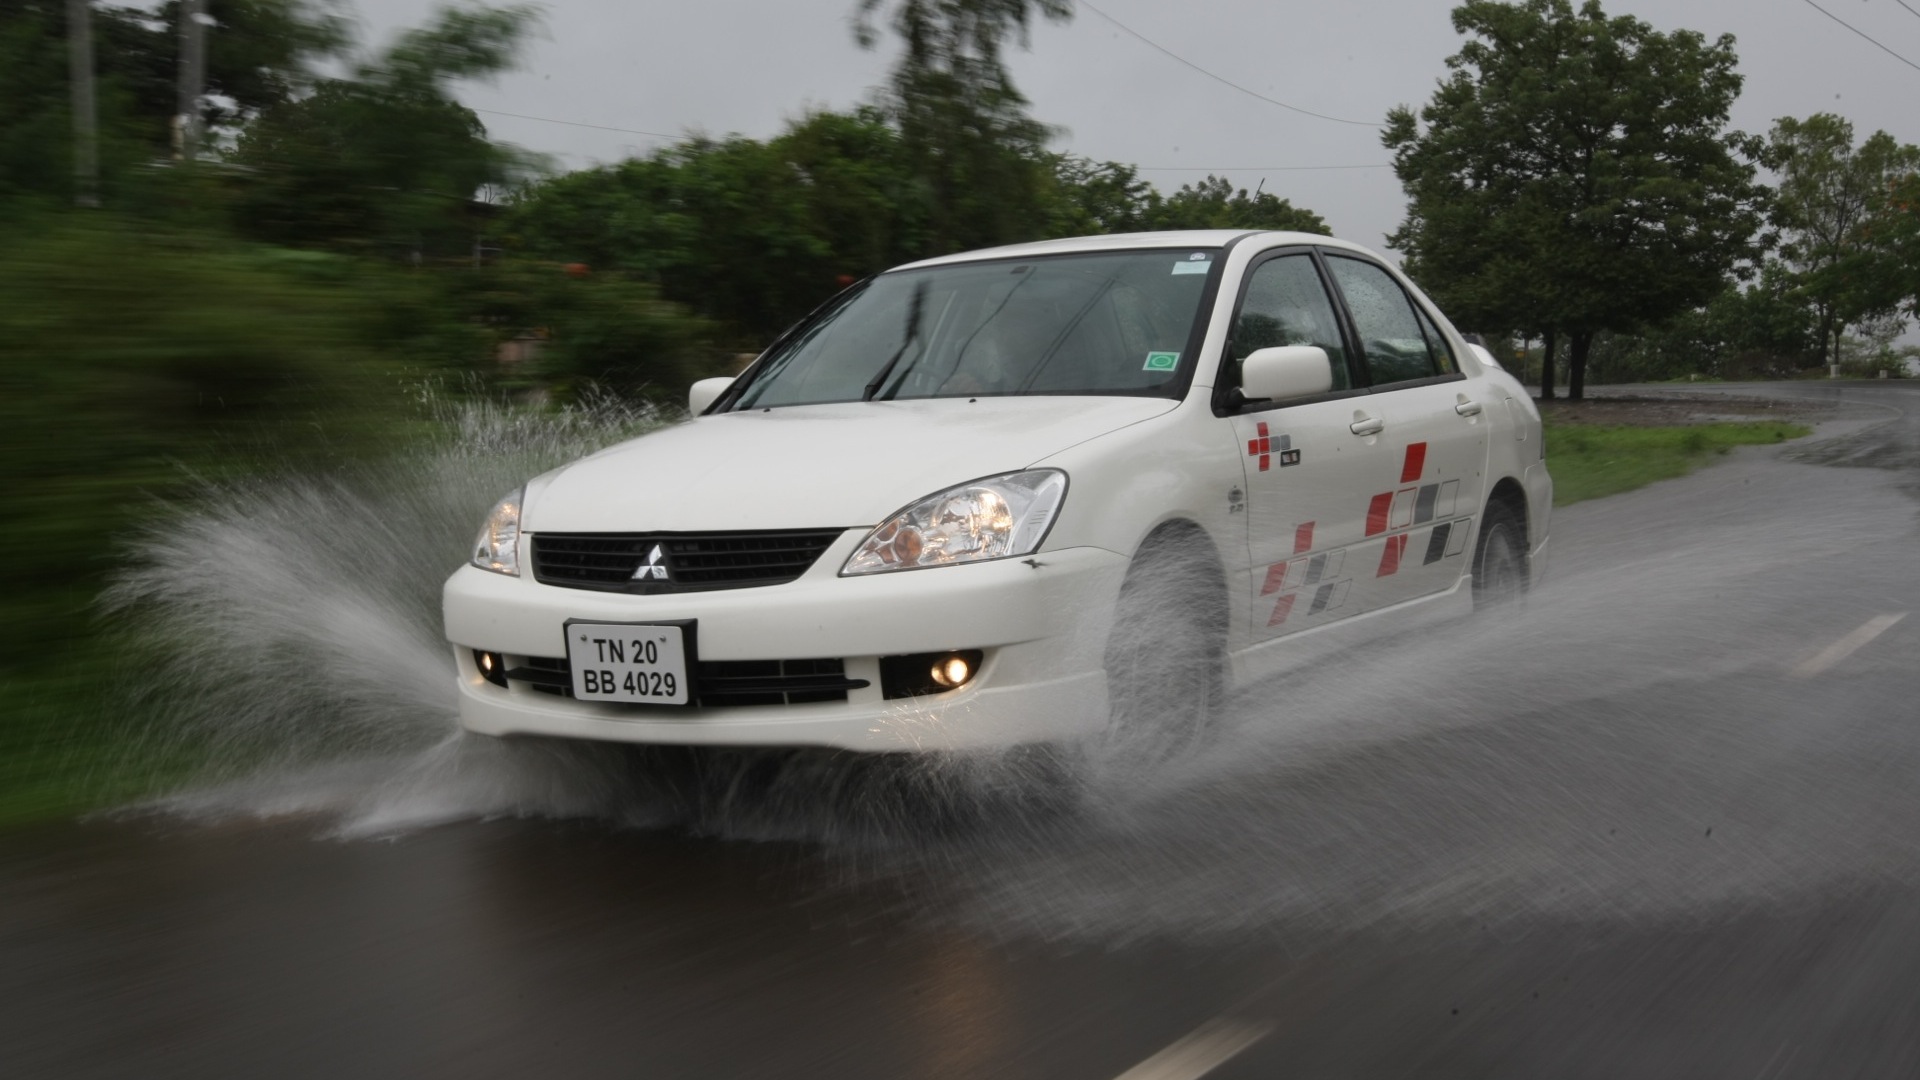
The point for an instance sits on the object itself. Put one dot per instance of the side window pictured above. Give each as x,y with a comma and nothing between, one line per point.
1285,304
1390,331
1436,343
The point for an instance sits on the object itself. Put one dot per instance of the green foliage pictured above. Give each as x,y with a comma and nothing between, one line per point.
964,129
133,355
1575,172
385,161
1593,461
259,54
593,331
1841,220
737,229
1214,204
1762,330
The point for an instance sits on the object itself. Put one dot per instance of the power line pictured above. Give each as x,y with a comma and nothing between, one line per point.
1909,7
1863,33
1224,82
576,123
1142,168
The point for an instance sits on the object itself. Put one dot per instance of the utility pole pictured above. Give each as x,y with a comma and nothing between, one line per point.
86,135
193,79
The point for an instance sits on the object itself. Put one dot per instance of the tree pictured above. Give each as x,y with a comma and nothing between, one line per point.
751,234
1839,214
385,160
963,125
1903,238
1214,204
260,53
1090,197
1575,173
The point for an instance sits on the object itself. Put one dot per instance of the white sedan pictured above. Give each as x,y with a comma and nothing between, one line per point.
1012,496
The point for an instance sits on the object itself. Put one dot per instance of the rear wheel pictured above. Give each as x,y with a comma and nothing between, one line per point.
1166,655
1500,560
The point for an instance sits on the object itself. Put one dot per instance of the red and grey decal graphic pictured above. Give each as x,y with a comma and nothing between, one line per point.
1413,521
1311,576
1304,571
1268,444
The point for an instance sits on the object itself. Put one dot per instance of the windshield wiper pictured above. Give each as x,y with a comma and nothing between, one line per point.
913,334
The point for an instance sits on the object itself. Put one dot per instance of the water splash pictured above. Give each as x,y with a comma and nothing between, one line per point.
1569,760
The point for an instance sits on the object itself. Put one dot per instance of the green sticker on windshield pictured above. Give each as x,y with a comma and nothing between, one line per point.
1162,361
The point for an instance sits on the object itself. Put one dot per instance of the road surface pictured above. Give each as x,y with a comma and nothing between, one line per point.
1665,823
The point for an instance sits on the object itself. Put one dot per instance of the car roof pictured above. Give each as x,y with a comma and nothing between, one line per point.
1190,238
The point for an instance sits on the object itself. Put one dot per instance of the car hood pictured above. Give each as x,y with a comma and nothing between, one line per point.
814,466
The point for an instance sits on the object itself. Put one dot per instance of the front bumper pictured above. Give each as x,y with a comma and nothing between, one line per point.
1041,622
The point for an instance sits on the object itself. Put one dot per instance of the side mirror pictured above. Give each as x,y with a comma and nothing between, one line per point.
1285,372
706,392
1486,359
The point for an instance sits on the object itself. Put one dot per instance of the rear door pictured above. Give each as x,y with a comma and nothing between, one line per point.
1421,505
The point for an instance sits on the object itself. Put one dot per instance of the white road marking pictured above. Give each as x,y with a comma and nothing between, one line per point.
1826,658
1205,1049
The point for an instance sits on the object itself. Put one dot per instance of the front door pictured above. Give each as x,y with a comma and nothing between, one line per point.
1307,472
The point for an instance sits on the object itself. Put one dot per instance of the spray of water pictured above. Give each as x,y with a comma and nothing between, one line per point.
1629,743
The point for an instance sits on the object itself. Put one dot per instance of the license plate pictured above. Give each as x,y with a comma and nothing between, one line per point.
638,663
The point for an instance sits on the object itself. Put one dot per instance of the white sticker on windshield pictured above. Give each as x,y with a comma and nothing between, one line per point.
1162,361
1191,267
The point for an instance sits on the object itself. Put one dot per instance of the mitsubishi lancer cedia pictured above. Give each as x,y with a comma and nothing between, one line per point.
1015,496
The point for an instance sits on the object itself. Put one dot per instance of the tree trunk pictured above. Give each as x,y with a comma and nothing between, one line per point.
1577,365
86,135
1546,365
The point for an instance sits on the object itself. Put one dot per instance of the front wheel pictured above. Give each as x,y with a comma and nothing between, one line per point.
1166,655
1500,560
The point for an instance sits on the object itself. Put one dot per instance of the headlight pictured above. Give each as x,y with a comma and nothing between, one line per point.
991,518
497,548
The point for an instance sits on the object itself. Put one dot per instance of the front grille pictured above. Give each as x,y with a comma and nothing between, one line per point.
692,562
722,683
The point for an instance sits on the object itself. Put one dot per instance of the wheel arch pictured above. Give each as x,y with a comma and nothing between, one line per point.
1186,539
1509,494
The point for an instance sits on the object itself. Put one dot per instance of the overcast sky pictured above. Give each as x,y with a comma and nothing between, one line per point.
746,66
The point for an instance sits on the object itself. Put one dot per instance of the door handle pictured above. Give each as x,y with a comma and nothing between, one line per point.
1367,425
1466,407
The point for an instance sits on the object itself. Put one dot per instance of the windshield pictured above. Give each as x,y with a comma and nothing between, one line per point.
1107,323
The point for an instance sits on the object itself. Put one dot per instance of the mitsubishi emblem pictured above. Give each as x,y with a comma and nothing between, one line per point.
655,568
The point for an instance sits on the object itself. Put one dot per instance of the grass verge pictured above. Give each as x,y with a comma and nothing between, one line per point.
1591,461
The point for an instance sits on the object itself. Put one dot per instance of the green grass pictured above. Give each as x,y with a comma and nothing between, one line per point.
68,743
1589,461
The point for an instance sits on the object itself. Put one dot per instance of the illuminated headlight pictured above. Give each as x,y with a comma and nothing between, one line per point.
993,518
497,548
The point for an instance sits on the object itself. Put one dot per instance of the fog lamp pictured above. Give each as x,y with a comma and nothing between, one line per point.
952,670
493,667
921,674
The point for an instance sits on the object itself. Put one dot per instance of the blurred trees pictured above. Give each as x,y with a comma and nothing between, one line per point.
260,53
965,136
384,159
1575,173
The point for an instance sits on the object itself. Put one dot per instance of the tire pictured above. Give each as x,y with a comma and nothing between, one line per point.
1166,654
1500,560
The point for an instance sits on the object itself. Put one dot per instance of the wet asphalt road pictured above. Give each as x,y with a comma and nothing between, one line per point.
1670,827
